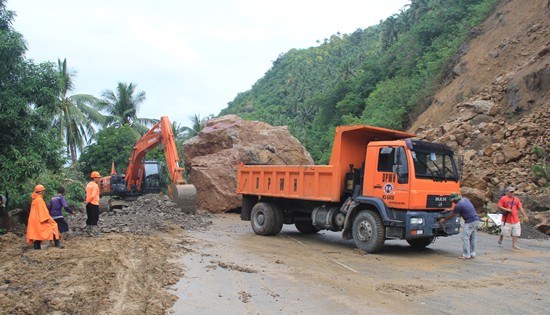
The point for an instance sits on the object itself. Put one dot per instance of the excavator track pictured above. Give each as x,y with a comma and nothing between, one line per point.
185,196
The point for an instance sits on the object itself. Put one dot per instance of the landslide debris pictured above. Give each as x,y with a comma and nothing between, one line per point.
147,215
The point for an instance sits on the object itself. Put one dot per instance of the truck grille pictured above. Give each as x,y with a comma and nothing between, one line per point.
436,201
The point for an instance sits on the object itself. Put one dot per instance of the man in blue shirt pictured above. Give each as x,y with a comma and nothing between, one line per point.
466,210
56,211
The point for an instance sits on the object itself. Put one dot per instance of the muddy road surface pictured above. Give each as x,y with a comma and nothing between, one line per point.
230,270
215,264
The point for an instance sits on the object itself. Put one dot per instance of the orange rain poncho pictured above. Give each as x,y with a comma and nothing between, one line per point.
41,226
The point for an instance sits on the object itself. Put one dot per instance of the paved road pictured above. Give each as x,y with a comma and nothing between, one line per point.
230,270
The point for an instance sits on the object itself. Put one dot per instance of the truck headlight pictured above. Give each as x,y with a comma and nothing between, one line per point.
417,221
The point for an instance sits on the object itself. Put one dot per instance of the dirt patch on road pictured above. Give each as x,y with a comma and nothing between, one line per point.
122,272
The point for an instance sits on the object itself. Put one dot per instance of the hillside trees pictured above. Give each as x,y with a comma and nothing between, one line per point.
383,75
112,145
27,94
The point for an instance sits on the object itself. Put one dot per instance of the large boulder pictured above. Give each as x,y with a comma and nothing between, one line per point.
212,157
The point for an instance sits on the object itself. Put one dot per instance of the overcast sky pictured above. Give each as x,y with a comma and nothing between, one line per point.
189,57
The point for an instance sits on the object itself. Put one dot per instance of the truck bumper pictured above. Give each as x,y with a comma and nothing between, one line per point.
421,224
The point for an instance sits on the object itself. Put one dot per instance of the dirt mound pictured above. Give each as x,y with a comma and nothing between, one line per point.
124,271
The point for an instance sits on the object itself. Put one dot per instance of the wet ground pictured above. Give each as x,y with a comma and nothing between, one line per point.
215,264
230,270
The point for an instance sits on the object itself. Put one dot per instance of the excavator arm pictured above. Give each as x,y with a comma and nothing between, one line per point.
160,133
179,191
171,152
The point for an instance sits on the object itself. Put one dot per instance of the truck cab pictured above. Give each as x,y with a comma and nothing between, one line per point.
413,178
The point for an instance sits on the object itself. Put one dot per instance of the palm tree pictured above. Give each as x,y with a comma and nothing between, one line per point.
74,114
179,131
198,125
389,32
122,107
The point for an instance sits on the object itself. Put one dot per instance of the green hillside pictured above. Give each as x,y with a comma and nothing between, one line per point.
384,75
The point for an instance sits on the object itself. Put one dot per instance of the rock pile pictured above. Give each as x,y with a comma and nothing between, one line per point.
495,110
500,152
145,216
497,153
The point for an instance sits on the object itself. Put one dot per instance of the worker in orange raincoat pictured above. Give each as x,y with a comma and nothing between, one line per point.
41,226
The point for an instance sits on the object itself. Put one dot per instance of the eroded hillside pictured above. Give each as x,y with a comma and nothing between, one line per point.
496,109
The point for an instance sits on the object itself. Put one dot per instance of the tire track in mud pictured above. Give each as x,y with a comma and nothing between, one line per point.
126,269
320,255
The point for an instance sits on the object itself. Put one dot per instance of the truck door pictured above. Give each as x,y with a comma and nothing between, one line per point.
391,181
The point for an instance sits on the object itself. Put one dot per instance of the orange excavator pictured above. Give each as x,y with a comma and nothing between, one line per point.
144,177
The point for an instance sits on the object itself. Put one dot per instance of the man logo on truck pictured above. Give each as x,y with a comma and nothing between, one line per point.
388,188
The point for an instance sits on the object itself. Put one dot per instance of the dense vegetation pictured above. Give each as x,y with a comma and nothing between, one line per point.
384,75
43,129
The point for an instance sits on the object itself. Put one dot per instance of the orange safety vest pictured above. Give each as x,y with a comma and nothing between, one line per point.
92,193
41,226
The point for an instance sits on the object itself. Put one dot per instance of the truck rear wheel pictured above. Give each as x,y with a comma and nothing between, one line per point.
420,242
266,219
368,231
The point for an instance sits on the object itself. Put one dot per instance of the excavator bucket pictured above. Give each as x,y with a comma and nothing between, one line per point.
185,196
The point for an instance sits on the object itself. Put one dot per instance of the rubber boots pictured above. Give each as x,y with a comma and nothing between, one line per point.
36,244
95,230
88,231
58,244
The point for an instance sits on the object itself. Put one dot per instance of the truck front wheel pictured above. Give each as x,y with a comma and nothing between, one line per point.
368,231
266,219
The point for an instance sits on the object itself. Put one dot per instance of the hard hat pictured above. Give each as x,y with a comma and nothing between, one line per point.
95,174
39,188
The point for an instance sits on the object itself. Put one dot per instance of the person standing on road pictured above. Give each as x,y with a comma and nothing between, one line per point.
56,211
92,204
41,226
510,221
466,210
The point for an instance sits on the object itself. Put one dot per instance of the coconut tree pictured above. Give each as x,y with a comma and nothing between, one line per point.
74,115
179,131
198,125
122,107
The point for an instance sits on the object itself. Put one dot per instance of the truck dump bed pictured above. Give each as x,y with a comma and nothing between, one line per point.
315,182
308,182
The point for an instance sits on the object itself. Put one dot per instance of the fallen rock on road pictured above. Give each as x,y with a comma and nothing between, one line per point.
147,215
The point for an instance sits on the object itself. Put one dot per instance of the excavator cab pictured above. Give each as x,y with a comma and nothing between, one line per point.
152,179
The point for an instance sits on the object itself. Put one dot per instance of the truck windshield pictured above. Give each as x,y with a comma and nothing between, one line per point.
434,165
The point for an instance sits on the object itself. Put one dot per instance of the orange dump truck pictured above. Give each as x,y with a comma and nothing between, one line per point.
380,184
